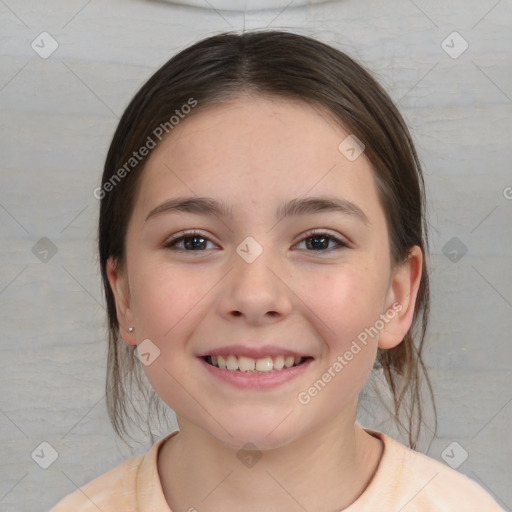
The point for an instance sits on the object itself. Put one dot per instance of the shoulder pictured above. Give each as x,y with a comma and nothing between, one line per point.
113,490
441,486
133,484
415,482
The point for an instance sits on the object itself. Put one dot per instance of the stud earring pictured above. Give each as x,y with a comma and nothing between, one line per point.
131,329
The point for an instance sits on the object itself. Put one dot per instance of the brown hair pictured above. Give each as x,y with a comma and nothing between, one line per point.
289,65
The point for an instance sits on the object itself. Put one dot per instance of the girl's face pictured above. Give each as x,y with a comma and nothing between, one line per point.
251,281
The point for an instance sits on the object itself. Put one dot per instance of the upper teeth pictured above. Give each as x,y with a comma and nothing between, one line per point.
247,364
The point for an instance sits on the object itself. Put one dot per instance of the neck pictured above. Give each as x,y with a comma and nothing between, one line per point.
325,470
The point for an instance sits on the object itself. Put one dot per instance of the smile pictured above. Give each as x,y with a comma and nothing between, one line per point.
248,364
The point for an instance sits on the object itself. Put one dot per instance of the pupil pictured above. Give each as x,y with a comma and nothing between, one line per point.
189,245
320,245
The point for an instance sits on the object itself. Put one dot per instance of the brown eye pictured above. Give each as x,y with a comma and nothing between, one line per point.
319,242
191,242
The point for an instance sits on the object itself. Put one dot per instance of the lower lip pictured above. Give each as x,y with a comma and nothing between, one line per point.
247,380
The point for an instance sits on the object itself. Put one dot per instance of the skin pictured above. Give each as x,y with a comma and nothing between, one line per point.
255,153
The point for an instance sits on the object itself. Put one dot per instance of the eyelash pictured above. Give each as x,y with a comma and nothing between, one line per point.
170,244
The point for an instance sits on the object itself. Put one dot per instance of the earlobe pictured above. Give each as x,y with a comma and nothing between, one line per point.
401,299
119,286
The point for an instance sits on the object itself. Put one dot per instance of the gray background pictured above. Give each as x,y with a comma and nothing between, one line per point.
57,117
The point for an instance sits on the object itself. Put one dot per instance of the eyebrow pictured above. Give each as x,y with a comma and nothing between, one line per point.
298,206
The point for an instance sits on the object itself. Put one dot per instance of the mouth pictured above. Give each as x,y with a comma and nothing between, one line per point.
263,365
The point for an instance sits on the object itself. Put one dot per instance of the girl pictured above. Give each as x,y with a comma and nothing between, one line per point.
262,243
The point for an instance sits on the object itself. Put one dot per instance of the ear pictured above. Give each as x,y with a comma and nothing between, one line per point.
119,284
401,299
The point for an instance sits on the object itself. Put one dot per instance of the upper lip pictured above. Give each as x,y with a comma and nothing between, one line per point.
254,353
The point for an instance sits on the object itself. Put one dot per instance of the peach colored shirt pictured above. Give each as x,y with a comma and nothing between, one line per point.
405,481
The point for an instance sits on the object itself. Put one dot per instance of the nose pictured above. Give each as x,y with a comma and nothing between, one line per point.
256,291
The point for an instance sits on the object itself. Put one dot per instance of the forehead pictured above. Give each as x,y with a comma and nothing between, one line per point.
257,125
253,150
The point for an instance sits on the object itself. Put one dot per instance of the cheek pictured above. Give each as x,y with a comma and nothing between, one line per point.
347,300
349,303
161,297
164,304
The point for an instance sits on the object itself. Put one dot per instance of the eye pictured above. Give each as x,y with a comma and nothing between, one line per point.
192,242
321,241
